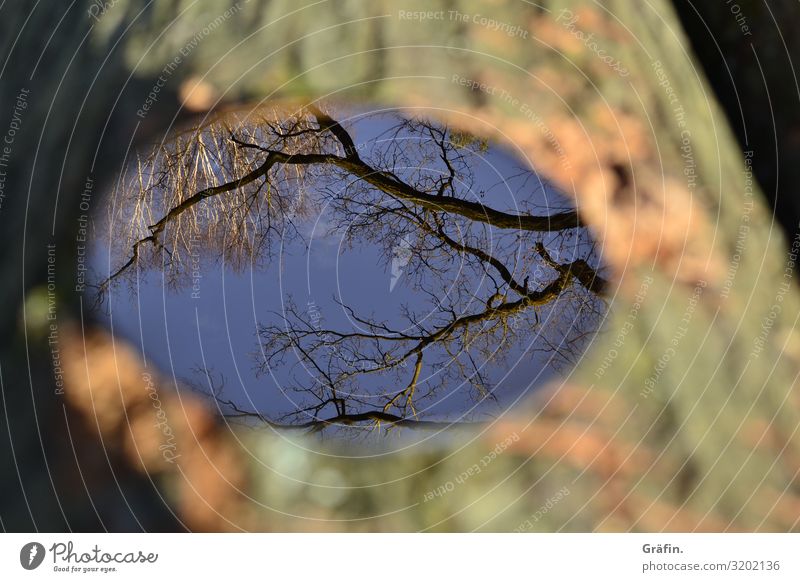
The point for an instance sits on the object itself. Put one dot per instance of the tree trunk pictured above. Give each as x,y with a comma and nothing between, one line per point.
682,415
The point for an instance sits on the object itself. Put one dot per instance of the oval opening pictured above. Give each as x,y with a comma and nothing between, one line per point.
319,267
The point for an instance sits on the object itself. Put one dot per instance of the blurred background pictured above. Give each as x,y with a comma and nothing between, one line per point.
671,126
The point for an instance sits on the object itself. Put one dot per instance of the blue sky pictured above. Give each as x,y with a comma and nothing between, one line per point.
215,326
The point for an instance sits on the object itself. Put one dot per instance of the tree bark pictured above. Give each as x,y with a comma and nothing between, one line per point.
684,412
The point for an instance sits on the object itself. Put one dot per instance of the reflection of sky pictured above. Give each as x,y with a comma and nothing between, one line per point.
182,330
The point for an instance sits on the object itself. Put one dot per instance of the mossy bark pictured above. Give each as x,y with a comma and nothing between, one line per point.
622,120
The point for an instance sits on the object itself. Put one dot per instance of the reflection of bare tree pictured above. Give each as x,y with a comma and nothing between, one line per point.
490,277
